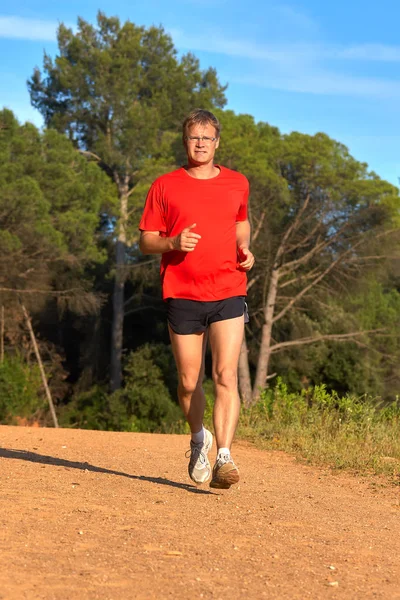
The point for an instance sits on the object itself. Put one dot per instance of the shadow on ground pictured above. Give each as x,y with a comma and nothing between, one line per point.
84,466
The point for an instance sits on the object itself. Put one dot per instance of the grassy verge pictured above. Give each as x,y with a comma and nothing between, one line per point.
344,432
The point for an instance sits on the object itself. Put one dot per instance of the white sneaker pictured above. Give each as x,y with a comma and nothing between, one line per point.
199,466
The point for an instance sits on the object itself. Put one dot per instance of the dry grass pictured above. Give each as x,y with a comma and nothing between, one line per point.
344,432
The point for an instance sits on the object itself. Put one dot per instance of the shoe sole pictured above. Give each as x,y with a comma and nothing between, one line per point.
223,481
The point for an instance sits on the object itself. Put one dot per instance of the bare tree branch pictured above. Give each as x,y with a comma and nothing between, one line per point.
377,257
311,340
303,277
281,250
40,363
101,164
293,264
259,225
308,287
303,242
253,281
317,248
36,291
91,155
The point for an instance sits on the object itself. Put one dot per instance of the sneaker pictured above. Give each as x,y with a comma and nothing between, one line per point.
199,466
225,473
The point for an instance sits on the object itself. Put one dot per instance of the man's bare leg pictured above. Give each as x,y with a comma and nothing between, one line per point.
225,338
189,352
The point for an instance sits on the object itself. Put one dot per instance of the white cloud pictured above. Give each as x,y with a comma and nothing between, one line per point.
324,83
295,18
28,29
284,53
217,43
304,68
297,67
369,52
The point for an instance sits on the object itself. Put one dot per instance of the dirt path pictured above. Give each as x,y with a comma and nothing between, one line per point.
88,515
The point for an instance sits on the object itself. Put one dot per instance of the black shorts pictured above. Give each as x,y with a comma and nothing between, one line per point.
193,316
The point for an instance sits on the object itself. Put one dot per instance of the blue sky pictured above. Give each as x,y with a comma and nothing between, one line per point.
303,65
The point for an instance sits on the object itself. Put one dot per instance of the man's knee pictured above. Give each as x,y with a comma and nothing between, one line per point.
188,382
226,377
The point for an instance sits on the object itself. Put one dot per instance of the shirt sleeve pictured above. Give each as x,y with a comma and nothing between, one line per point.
153,218
242,212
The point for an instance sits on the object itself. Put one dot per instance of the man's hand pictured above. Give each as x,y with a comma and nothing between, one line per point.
246,258
187,240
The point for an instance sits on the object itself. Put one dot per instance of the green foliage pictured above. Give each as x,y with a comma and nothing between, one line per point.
20,391
346,431
87,410
120,91
322,225
145,395
122,76
144,404
50,200
367,365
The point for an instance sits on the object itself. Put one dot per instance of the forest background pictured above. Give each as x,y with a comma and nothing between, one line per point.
324,294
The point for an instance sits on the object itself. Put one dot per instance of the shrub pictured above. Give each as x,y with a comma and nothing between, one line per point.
143,404
146,396
20,391
344,431
87,410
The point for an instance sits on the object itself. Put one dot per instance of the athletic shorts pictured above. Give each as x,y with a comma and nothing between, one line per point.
193,316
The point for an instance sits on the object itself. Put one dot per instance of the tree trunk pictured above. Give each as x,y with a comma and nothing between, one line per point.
244,374
117,333
265,349
2,336
41,367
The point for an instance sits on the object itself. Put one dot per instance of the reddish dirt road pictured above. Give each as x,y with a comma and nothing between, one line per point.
113,516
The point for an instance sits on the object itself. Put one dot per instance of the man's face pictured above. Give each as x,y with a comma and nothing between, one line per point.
201,151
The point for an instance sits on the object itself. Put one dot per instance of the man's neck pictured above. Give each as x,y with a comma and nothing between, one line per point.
207,171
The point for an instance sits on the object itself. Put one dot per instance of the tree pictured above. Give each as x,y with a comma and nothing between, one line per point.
254,150
120,93
50,200
337,217
321,222
367,365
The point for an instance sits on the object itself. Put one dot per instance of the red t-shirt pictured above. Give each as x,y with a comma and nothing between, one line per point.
176,201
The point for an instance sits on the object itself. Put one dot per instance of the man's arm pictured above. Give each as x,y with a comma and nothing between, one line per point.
152,243
243,233
243,242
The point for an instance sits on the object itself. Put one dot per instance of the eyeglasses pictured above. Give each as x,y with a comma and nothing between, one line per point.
203,138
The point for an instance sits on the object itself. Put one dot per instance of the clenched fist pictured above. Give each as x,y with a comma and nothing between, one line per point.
187,240
246,258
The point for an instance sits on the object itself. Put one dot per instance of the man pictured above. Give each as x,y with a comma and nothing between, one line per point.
196,217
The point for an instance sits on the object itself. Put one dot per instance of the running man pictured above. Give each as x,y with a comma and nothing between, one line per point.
196,217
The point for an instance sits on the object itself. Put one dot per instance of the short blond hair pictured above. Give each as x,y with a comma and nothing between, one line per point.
199,116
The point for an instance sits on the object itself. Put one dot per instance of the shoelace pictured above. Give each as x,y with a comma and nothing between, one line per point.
195,453
225,458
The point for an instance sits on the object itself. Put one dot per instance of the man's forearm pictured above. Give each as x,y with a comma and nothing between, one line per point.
152,243
243,231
